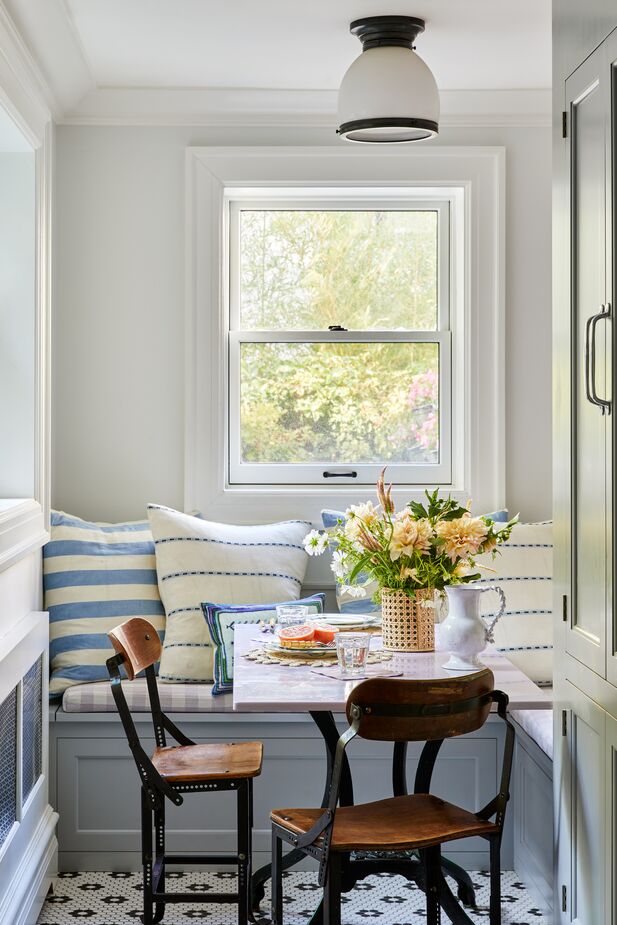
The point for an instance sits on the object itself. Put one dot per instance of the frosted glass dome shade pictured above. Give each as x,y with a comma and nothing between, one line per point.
388,95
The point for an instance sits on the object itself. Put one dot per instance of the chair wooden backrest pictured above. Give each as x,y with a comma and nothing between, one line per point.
138,642
397,710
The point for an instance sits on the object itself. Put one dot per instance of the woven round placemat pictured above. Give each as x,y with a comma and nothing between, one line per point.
294,660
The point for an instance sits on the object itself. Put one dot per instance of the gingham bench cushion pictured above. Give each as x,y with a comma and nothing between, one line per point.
538,724
175,698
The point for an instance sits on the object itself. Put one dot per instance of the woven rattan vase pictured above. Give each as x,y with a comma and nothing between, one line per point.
408,625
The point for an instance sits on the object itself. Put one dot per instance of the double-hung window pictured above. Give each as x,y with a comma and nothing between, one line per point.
340,337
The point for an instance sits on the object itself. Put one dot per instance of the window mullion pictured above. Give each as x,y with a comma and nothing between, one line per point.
338,337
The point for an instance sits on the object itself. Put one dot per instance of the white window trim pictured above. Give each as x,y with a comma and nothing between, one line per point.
478,173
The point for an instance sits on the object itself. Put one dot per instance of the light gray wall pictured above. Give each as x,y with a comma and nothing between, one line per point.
17,282
118,362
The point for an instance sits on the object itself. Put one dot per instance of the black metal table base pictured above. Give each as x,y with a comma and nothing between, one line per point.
363,865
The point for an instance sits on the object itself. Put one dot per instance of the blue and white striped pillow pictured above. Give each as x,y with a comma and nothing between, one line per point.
94,577
198,560
524,570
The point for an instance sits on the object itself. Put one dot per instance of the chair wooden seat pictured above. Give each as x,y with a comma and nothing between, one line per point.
414,821
183,763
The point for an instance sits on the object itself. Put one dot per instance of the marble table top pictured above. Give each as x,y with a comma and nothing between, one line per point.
276,688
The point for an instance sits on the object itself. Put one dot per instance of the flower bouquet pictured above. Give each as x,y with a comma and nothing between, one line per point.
411,555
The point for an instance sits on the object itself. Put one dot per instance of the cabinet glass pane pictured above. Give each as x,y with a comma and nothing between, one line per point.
8,762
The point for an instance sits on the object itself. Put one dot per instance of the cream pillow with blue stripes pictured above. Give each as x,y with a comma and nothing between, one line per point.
197,560
524,570
95,576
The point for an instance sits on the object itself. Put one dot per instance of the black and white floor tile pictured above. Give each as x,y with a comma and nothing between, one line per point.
115,899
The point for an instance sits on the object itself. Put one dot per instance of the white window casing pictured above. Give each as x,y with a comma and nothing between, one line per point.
466,186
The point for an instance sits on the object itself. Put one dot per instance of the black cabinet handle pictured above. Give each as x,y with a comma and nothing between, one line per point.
340,475
605,314
588,394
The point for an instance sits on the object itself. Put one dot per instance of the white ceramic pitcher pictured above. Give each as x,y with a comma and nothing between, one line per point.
464,633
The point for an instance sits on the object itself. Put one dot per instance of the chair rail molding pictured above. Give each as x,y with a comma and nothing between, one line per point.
478,174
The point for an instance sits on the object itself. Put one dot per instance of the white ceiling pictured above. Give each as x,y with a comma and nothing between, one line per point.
122,56
289,44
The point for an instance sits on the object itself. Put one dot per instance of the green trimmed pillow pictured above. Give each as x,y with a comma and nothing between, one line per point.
221,620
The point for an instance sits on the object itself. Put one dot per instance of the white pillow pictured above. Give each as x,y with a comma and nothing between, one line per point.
524,571
198,561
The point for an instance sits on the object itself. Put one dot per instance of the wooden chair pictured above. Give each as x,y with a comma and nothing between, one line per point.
173,770
400,711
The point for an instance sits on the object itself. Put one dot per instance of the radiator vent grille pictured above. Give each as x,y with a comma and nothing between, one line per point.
32,760
8,764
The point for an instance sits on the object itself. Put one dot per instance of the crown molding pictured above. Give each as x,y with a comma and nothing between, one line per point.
308,108
24,91
48,33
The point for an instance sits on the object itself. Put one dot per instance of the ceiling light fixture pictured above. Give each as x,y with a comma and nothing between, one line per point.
389,94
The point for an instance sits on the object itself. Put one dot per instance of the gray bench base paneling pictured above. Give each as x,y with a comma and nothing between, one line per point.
533,819
95,786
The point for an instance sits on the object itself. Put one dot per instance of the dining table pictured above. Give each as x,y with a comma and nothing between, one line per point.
260,687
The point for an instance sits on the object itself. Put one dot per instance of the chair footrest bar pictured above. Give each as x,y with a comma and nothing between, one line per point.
202,859
195,897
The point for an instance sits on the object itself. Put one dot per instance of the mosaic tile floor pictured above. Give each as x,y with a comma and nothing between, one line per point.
114,899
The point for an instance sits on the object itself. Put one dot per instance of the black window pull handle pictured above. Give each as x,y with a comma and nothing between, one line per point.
340,475
336,327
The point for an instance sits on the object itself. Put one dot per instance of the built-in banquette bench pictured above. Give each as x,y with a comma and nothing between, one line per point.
532,803
95,788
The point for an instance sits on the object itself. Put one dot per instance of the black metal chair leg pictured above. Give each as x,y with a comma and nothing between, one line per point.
159,853
464,886
249,860
495,900
146,858
431,858
277,880
244,851
455,912
332,892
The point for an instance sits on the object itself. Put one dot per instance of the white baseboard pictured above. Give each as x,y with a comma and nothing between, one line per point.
22,902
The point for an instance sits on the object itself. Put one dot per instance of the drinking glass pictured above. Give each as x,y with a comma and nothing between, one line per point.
291,615
352,653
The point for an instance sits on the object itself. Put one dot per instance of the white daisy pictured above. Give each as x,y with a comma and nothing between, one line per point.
338,564
315,543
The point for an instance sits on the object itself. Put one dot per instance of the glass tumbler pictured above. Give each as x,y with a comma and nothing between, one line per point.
291,615
352,652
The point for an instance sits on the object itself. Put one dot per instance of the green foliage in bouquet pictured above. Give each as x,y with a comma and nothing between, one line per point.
425,545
